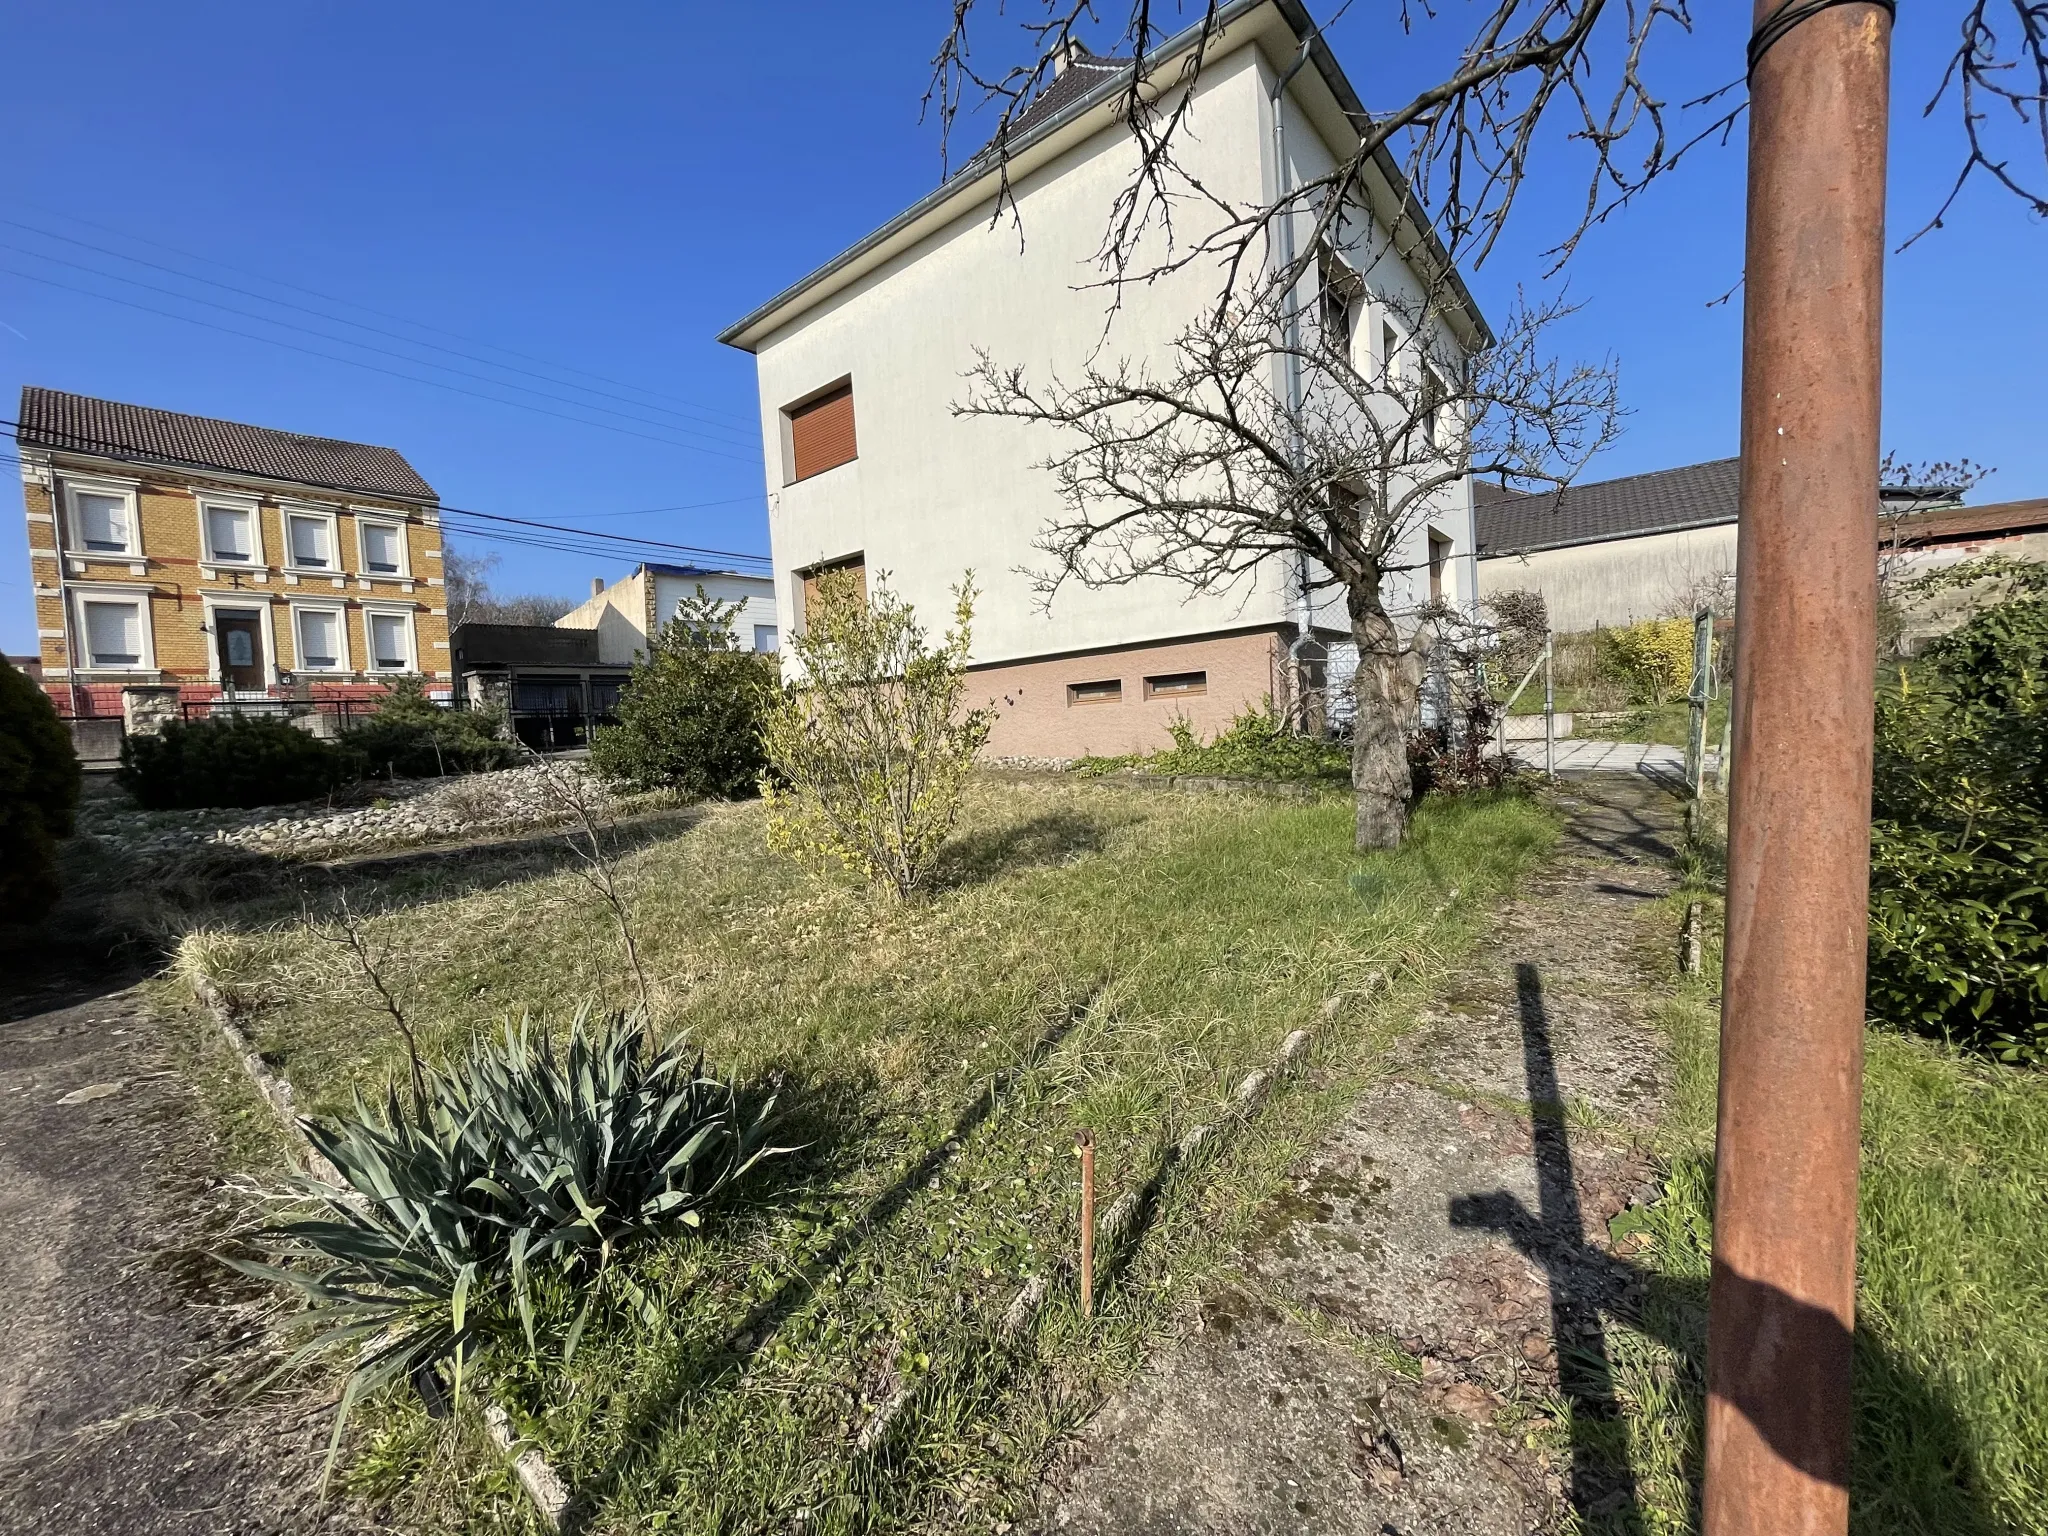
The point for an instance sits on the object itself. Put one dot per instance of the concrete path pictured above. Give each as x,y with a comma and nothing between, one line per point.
1664,764
1440,1270
118,1408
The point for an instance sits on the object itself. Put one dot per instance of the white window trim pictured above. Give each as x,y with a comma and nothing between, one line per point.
241,603
412,640
365,515
102,485
340,612
82,593
238,502
286,512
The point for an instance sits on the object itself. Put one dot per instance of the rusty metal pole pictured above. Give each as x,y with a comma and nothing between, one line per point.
1084,1143
1783,1288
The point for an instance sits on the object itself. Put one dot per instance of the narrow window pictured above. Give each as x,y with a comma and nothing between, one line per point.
103,521
388,648
1109,690
310,543
766,641
1434,392
821,433
1439,566
113,634
1390,352
1173,685
383,555
231,534
1339,288
319,640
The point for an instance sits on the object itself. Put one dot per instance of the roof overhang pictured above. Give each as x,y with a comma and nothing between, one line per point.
1324,93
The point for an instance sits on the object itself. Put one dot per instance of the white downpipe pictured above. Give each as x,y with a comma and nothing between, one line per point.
1304,610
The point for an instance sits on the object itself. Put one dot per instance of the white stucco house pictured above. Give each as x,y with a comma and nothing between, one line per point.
625,613
860,364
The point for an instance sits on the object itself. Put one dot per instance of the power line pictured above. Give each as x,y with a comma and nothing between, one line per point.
374,367
381,314
455,519
728,433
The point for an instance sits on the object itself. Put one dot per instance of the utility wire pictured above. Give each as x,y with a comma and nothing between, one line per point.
375,367
455,519
261,298
387,315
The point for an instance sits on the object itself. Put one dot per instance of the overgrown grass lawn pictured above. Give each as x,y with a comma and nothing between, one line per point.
1098,957
1951,1388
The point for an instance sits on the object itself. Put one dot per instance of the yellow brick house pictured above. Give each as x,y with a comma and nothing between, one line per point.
184,560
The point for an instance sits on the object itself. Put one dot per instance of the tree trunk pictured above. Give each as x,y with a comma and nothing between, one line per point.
1383,693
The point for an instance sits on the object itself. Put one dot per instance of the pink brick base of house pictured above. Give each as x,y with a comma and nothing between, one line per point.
1057,706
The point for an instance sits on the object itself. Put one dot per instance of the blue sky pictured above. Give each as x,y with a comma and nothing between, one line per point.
590,193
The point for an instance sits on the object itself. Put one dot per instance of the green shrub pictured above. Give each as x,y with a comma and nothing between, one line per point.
1959,839
525,1172
1654,658
691,717
232,760
1255,745
412,737
39,779
871,750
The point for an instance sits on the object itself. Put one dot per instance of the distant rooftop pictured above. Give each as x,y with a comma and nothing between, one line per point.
1691,496
52,419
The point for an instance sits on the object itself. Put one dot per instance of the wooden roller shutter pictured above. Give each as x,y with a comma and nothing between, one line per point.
857,564
821,434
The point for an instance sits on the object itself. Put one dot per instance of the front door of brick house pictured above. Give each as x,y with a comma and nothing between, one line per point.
239,638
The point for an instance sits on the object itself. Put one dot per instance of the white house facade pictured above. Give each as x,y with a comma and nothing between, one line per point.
625,613
861,364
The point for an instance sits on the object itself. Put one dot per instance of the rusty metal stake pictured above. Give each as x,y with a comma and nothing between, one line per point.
1784,1272
1085,1144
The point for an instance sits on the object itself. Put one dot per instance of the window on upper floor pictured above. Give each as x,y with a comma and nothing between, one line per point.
818,433
1441,582
1338,294
309,540
383,547
103,521
231,537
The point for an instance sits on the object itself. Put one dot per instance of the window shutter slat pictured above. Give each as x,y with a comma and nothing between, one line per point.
821,434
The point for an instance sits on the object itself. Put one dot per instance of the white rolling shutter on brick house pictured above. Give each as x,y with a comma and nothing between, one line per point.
113,634
102,520
381,549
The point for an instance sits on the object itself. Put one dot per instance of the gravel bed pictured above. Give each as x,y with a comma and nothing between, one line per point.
394,813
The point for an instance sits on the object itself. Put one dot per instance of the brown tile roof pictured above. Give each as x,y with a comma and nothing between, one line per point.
51,418
1954,525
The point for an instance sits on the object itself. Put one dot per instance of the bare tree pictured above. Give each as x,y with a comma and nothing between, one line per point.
472,599
346,930
591,835
1263,440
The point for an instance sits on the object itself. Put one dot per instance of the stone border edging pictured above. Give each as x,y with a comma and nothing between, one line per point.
543,1485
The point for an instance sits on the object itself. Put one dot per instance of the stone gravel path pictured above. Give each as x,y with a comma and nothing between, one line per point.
1457,1218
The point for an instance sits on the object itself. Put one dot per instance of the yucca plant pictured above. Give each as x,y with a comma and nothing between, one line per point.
521,1162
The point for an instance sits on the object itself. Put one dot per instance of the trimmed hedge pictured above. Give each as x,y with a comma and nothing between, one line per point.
39,780
414,738
233,760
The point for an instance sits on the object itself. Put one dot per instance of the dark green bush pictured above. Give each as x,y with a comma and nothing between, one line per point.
691,717
1959,839
523,1172
39,778
412,737
233,760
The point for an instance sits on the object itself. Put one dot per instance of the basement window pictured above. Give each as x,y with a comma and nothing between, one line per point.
1176,685
1109,690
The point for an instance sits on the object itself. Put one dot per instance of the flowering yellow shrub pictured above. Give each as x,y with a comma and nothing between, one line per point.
1655,656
